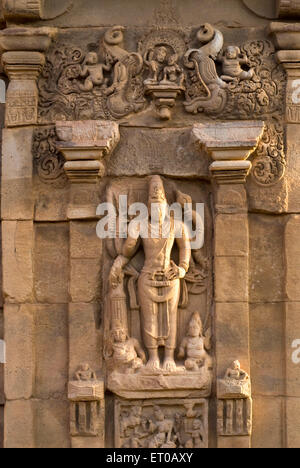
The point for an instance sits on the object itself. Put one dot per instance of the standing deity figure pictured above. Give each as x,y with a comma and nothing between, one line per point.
159,280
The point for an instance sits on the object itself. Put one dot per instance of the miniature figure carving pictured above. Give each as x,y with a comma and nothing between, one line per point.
236,383
155,60
232,61
197,435
127,352
159,280
173,72
162,428
93,72
131,421
85,373
194,346
235,374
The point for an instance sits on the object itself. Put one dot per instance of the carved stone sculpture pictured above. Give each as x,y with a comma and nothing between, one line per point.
236,383
86,395
194,344
231,65
167,424
202,61
159,282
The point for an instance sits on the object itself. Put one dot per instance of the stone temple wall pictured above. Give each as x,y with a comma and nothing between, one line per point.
156,343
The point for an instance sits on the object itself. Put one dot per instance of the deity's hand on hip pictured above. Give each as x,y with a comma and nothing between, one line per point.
175,272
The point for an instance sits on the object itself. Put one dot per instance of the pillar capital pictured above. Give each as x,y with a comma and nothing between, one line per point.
23,61
229,144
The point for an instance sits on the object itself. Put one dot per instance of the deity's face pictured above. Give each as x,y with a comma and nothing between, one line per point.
195,330
159,416
91,58
172,60
161,54
231,53
196,424
236,365
120,335
85,367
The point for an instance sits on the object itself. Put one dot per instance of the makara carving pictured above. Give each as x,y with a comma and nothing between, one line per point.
224,82
162,424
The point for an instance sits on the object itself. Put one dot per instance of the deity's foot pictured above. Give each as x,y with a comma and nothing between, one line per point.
169,365
153,365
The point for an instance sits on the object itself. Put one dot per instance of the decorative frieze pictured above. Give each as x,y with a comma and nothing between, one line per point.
288,8
167,424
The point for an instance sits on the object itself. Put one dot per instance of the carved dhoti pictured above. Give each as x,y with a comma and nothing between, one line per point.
159,300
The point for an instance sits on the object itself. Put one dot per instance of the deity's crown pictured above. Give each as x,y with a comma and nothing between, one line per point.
156,190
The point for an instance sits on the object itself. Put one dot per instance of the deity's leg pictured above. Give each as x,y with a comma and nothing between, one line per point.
170,344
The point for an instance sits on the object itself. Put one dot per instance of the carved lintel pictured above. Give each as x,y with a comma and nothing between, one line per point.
230,144
85,145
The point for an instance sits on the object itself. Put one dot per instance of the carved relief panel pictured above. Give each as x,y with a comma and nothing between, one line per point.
158,297
161,424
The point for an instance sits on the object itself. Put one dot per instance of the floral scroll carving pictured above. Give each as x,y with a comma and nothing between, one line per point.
216,79
49,162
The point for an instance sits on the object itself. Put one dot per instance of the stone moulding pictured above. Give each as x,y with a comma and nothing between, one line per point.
85,146
34,9
229,144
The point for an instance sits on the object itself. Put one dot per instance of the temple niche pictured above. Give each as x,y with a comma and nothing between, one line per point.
150,223
158,323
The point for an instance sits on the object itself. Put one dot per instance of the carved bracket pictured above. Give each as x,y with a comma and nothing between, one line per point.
85,146
230,144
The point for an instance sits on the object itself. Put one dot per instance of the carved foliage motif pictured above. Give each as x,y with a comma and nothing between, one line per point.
162,424
49,163
224,82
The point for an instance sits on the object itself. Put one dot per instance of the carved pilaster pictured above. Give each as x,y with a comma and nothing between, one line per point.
23,62
230,144
86,146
